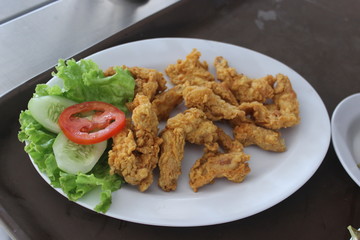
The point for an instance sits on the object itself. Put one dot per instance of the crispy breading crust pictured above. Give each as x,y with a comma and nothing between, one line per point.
190,70
165,102
211,104
191,126
121,158
136,164
172,153
267,139
231,165
244,89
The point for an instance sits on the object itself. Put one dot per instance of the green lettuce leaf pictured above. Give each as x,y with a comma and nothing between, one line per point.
85,81
45,90
39,145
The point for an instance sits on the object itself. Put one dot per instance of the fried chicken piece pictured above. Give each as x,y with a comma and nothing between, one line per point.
149,82
135,149
167,101
211,104
121,158
190,70
145,124
172,153
285,102
143,116
245,89
203,133
191,126
198,129
282,113
250,134
232,165
255,112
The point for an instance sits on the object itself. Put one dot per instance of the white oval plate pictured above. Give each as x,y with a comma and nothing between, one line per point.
345,125
273,177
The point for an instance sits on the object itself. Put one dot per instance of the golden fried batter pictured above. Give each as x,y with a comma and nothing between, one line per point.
249,134
136,164
198,129
232,165
167,101
245,89
282,113
286,102
146,132
121,158
149,82
172,153
143,116
222,90
211,104
190,70
191,126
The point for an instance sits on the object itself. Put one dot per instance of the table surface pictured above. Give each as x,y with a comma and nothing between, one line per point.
319,39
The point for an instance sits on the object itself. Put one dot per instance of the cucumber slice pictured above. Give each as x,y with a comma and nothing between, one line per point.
74,158
47,109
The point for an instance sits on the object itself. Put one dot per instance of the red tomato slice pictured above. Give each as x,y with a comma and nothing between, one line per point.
91,122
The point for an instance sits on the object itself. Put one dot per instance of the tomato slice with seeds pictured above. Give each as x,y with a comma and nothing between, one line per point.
91,122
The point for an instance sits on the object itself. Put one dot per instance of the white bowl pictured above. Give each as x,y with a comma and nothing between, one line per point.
345,126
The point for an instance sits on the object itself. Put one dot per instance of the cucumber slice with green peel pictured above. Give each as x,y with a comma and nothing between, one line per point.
47,109
76,158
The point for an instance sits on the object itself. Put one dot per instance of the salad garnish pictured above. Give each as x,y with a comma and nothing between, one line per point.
83,167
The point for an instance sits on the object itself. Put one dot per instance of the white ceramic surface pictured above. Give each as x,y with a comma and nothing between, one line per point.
345,126
273,177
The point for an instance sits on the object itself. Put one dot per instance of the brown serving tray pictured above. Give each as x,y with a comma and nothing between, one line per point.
304,35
